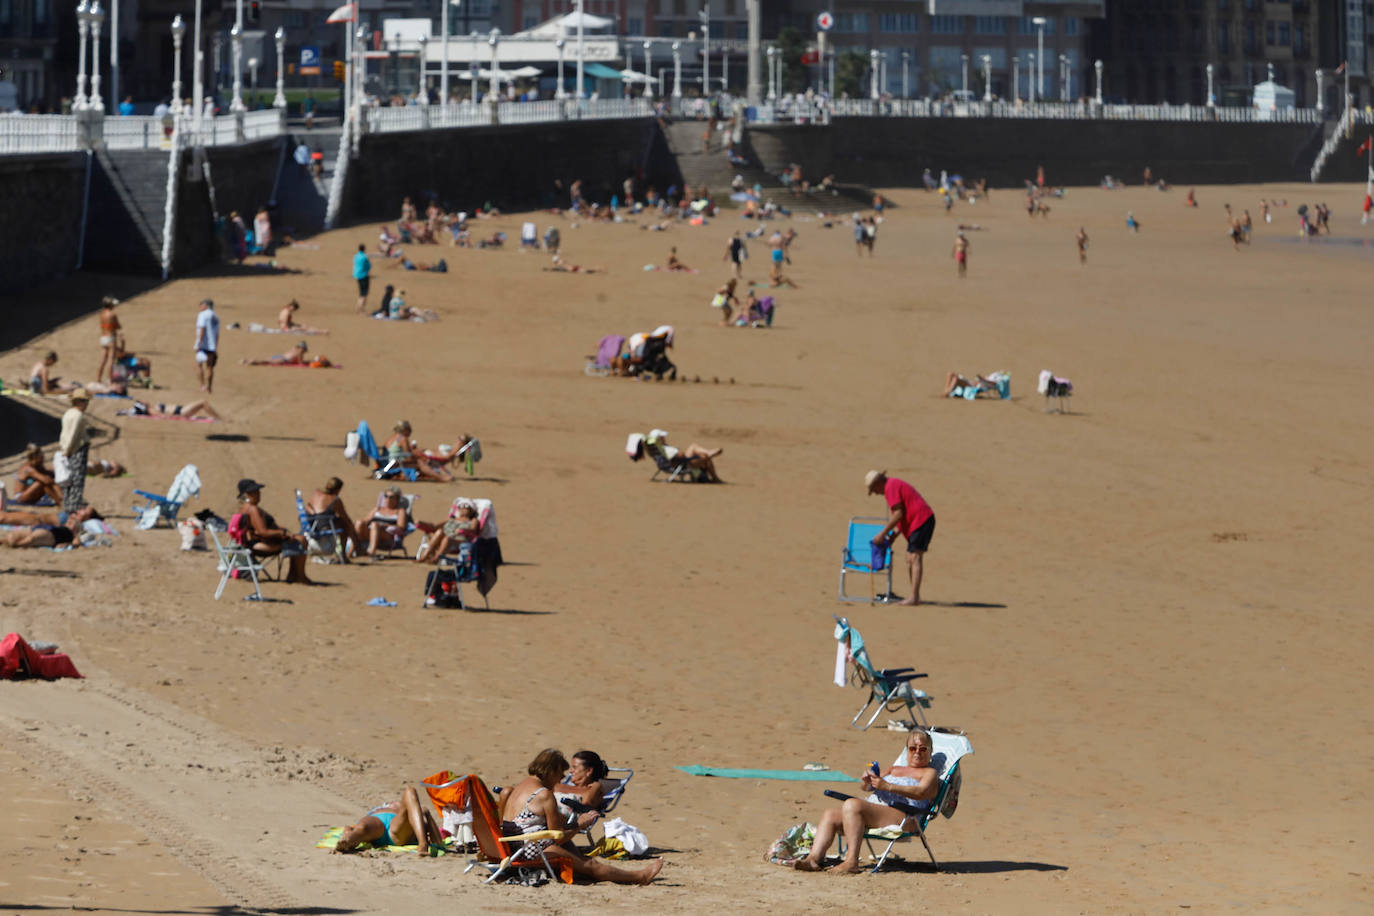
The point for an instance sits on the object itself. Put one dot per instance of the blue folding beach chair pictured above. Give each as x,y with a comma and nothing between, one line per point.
890,688
157,508
860,556
324,533
949,749
385,469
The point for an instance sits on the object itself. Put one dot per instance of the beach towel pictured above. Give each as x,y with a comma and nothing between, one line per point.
611,346
331,839
366,443
20,660
788,775
316,364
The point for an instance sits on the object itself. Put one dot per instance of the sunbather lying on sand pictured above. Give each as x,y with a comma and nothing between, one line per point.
185,411
293,357
559,266
401,823
530,806
915,784
30,518
955,380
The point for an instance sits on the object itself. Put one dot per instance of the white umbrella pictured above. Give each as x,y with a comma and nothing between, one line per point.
526,72
588,21
633,76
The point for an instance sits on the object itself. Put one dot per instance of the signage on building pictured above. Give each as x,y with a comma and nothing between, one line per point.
825,22
310,61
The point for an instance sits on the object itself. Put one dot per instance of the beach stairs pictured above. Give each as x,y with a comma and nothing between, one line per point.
302,197
128,200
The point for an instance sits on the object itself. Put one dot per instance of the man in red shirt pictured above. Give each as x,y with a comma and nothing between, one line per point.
911,515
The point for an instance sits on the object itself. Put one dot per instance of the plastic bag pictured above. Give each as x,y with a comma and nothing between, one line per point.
61,467
632,838
192,534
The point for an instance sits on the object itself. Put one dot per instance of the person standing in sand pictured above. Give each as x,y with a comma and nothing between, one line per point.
960,254
735,253
207,344
911,515
362,273
1082,240
75,445
109,333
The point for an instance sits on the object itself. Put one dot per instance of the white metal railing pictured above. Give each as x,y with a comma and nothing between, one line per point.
819,111
1347,120
259,125
135,132
468,114
38,134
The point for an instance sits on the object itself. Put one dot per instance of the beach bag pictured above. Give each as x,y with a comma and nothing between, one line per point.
632,838
61,468
793,846
192,534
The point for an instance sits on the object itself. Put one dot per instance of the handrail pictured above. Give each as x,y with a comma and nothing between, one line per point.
336,182
169,218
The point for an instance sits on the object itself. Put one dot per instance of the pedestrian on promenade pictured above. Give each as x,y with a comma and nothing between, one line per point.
207,344
75,444
911,516
362,272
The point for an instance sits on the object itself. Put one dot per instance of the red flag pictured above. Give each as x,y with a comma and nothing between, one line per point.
1366,146
1341,68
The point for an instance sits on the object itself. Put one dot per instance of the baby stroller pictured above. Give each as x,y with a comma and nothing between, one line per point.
656,360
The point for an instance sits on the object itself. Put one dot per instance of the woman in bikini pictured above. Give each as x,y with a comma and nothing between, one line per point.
286,321
264,537
384,526
530,806
382,827
293,357
109,333
462,529
401,450
185,411
915,783
41,379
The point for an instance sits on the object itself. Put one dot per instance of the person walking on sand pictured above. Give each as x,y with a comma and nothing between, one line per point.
911,515
109,331
1082,240
207,344
362,273
735,253
960,254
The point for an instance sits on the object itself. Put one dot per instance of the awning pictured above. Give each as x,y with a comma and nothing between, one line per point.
600,71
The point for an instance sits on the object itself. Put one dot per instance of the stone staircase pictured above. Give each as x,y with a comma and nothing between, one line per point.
303,198
127,204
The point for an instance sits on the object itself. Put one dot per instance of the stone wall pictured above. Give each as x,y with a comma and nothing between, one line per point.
512,166
40,236
892,152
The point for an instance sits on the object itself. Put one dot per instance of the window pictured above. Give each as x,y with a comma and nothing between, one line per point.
1299,39
530,21
1071,26
1251,42
947,25
1284,39
1269,32
6,12
1224,37
633,25
899,22
664,27
742,31
851,22
990,25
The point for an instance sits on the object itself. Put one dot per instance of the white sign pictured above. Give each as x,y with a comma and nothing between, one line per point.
825,22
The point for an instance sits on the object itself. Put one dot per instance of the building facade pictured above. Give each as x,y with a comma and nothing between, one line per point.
1158,51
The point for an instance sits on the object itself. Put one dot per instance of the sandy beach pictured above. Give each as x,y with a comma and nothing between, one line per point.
1151,615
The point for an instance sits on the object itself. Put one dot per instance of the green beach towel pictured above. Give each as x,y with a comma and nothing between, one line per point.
791,775
331,839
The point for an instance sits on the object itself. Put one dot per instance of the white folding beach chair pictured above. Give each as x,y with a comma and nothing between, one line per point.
949,748
235,560
156,508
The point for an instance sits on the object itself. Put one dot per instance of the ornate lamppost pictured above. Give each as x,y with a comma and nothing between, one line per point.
677,68
96,103
559,44
987,78
178,30
279,102
648,77
236,38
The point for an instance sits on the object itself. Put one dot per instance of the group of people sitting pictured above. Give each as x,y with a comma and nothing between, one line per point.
556,796
756,312
37,482
642,354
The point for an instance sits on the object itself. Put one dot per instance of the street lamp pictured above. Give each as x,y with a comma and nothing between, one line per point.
114,54
236,37
495,91
360,65
906,70
197,62
873,74
83,28
280,100
472,67
987,77
1097,66
178,30
1321,105
1039,22
581,50
423,79
705,16
253,76
559,45
1016,79
648,78
1030,77
1211,95
724,68
772,94
1063,78
677,68
963,64
97,16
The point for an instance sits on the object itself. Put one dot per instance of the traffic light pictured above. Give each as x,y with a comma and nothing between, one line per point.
339,70
254,12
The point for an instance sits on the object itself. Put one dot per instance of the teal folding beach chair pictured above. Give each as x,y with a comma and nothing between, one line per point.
889,688
949,748
860,556
325,536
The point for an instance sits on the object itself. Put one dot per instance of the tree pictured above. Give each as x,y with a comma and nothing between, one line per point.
850,69
792,46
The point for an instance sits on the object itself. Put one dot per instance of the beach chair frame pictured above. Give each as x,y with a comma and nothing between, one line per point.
612,790
856,557
677,469
236,558
321,529
889,688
